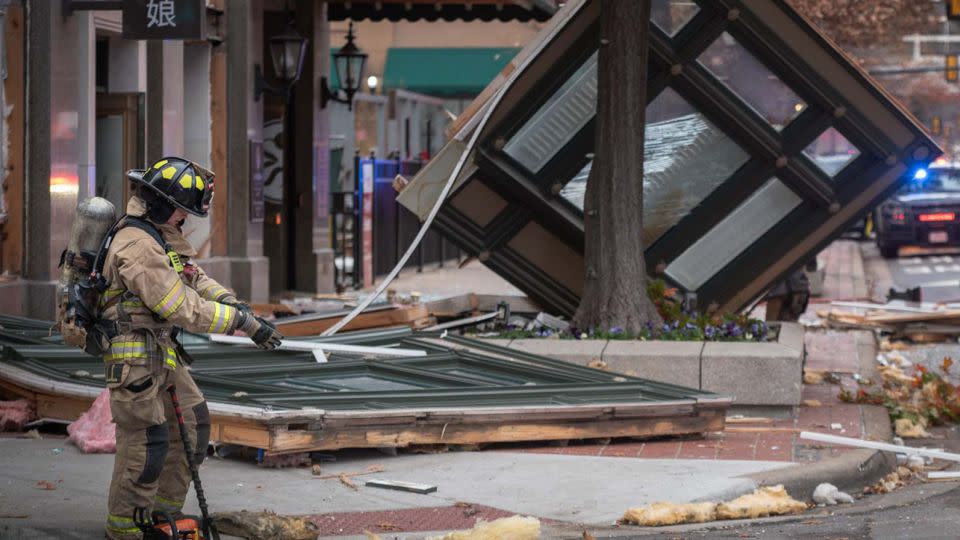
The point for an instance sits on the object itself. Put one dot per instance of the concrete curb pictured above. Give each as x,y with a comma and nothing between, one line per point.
852,470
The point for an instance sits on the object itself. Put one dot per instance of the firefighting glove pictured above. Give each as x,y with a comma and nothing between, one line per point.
242,306
260,331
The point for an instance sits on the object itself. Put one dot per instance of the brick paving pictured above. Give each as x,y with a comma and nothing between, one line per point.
462,516
771,440
844,277
776,440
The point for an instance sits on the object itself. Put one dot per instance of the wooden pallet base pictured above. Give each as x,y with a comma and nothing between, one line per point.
308,435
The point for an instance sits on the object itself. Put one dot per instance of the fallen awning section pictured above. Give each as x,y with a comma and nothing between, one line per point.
764,142
460,392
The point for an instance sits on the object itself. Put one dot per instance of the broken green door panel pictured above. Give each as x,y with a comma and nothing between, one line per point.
742,96
456,372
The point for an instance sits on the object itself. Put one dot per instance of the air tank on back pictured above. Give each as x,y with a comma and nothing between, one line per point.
94,218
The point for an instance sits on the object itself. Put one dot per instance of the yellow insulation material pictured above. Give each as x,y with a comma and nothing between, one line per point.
765,501
664,513
509,528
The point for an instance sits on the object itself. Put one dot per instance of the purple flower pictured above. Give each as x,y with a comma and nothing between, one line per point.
616,330
709,331
735,331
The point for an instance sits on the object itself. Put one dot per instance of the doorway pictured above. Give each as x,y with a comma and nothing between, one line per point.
120,144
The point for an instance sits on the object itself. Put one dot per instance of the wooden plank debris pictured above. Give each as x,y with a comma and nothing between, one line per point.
412,487
315,324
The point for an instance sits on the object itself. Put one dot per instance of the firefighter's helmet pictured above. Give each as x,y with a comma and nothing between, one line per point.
174,182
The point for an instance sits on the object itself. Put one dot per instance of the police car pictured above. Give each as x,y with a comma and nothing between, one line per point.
925,212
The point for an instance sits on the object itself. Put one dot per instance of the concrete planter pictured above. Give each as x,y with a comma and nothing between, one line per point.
753,373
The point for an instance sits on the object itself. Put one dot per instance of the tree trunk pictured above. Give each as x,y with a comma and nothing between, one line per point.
615,288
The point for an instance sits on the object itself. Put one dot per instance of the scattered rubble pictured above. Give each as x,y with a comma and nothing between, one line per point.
910,429
915,401
14,415
764,501
265,525
828,495
94,432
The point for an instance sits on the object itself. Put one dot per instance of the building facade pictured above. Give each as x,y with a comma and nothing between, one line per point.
84,105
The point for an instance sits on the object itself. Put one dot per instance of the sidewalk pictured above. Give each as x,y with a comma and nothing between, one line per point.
569,485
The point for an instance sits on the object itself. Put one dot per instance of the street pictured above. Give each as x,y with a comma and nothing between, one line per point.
911,513
938,274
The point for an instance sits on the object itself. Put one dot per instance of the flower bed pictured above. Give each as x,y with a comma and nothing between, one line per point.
678,325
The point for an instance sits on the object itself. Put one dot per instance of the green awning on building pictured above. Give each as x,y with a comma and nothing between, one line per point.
444,71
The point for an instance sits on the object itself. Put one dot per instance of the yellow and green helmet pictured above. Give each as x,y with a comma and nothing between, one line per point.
178,182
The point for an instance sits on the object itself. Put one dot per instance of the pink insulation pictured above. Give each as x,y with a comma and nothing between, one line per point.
94,432
15,414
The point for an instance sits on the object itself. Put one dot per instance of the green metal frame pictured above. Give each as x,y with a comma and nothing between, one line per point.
456,372
824,79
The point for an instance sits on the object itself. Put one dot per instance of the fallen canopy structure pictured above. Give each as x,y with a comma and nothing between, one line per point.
763,143
460,392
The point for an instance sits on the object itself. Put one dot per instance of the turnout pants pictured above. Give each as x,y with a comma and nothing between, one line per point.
150,469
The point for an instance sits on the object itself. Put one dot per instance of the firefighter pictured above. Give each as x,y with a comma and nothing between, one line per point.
154,290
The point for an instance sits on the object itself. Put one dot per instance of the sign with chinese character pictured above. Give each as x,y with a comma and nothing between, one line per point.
164,19
257,207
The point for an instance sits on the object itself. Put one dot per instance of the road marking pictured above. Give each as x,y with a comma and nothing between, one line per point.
940,269
941,259
911,260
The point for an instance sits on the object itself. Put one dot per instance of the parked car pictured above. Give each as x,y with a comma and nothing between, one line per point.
925,212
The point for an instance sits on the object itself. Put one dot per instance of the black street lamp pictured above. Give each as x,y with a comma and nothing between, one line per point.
348,63
287,51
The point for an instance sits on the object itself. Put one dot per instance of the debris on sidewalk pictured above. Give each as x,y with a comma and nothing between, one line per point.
345,480
412,487
910,429
659,514
914,401
247,524
94,432
829,495
508,528
918,322
943,475
15,414
764,501
373,469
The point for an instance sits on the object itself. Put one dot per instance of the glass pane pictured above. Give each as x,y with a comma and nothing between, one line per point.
672,15
558,120
734,234
729,62
831,151
685,159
